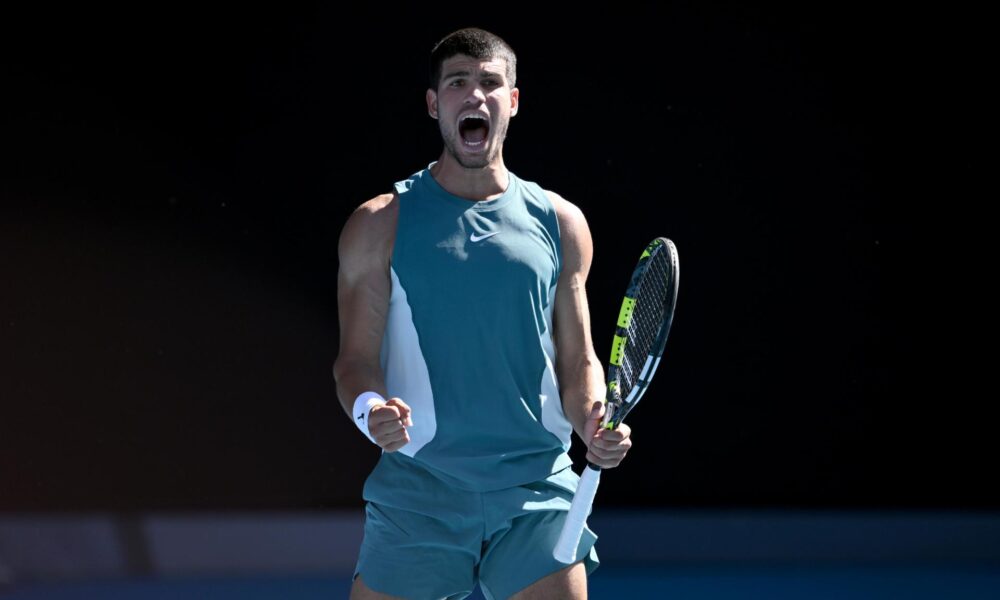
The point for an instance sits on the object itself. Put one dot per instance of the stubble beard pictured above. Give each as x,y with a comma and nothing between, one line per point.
452,140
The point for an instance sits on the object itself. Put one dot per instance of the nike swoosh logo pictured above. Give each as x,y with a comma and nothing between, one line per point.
479,238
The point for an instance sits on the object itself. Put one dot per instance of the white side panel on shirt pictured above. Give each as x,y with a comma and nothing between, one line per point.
402,361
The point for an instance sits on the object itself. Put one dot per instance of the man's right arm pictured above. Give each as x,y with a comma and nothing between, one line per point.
363,291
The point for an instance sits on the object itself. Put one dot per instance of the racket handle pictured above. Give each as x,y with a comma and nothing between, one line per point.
572,531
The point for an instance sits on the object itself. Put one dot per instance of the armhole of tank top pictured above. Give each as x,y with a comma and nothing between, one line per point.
558,233
398,199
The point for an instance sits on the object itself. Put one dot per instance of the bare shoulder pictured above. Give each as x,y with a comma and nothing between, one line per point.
371,227
574,233
378,214
570,216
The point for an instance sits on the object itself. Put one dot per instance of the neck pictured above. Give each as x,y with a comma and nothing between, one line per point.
473,184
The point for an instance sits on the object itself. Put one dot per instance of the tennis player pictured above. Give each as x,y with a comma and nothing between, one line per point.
466,355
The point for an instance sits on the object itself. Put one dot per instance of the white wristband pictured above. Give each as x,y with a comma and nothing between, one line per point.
362,406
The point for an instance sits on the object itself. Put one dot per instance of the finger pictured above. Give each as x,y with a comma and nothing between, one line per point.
387,427
404,410
393,446
610,436
383,414
616,435
615,453
392,436
596,456
597,410
611,446
604,463
603,444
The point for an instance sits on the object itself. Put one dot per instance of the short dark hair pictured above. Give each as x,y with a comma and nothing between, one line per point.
475,43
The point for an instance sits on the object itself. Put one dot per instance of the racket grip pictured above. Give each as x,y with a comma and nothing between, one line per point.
572,531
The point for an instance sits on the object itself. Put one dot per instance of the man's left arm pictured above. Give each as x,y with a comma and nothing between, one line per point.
580,374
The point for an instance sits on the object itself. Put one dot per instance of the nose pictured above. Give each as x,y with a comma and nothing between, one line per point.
475,96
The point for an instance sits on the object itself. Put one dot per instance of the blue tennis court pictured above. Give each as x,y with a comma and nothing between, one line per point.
694,555
699,582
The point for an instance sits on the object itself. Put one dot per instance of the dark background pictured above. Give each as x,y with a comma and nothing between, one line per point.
174,180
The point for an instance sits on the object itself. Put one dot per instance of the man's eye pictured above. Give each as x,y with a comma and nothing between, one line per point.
456,83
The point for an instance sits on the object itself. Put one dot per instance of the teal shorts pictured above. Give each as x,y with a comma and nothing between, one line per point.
425,540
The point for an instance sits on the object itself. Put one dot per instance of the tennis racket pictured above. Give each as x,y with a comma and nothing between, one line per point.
643,325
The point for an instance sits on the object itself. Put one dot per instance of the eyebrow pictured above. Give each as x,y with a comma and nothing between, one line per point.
468,73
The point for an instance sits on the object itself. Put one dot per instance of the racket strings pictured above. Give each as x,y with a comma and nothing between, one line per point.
648,315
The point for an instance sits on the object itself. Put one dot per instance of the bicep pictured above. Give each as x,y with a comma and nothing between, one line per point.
572,312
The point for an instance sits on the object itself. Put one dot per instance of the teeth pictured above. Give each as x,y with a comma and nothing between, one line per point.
473,116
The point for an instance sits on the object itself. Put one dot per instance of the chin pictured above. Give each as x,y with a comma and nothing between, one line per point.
473,161
478,162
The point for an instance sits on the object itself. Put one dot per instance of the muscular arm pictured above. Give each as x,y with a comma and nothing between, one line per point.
580,374
363,291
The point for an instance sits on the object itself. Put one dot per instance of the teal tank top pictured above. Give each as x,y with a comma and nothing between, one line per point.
468,342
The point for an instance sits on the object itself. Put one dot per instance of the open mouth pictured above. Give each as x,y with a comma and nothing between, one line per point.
474,129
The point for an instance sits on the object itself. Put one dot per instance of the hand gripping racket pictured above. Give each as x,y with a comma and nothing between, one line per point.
643,325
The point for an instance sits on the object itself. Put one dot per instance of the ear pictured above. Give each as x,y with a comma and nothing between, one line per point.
515,101
432,108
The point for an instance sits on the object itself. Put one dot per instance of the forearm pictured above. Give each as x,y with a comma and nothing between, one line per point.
581,385
354,377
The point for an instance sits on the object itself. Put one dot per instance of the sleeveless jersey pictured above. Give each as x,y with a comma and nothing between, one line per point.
468,342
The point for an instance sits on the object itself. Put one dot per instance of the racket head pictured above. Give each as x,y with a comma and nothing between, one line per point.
643,325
